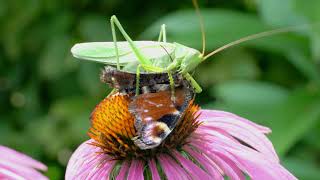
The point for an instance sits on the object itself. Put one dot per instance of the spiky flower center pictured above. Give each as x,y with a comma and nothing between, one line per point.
112,128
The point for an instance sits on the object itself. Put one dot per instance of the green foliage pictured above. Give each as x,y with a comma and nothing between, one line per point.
46,96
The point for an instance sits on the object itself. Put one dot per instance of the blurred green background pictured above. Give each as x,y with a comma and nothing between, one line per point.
46,95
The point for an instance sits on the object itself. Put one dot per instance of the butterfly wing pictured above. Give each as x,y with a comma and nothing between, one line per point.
156,115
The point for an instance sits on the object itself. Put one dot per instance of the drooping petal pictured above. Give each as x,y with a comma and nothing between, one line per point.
7,154
88,163
154,170
207,114
225,163
136,170
258,167
15,165
172,170
210,166
123,171
244,132
237,147
6,174
195,171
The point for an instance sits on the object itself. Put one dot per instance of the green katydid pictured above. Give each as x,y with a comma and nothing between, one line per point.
154,56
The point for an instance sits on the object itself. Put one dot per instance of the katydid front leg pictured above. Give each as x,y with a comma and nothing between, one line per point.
172,86
138,79
162,34
171,80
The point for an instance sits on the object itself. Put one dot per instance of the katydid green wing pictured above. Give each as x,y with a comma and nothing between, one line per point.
104,52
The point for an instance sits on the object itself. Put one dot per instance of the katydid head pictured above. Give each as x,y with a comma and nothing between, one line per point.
189,58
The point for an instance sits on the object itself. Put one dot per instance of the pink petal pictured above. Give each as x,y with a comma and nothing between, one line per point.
87,163
225,163
16,165
154,170
207,163
101,171
244,132
257,167
191,168
172,170
6,174
28,173
16,157
205,114
250,161
123,171
136,170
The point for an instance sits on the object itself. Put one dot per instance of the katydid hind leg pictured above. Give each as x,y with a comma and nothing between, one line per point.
160,34
114,37
141,57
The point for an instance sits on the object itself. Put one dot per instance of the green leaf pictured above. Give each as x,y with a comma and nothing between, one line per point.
94,28
295,12
55,61
294,118
20,17
233,64
315,43
250,93
302,169
279,15
54,172
88,79
304,64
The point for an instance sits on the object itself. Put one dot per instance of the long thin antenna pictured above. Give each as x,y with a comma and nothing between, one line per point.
167,52
203,34
252,37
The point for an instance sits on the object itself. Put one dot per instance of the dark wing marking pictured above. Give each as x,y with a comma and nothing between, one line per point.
156,115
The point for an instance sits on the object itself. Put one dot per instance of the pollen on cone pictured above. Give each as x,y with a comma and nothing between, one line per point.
112,125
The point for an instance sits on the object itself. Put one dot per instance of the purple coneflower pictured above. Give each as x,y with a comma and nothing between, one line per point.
205,144
15,165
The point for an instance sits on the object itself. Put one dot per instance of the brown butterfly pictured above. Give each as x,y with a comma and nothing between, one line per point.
156,109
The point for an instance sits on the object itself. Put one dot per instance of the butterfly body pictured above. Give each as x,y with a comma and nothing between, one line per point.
125,82
156,112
